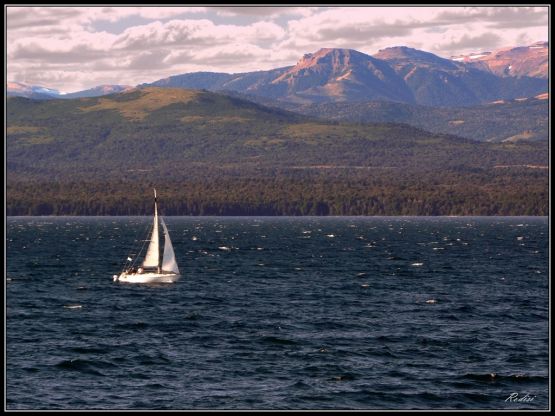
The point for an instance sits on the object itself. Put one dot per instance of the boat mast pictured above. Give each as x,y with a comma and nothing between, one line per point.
156,222
152,258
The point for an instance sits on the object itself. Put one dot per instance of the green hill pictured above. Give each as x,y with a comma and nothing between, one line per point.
217,154
524,119
503,120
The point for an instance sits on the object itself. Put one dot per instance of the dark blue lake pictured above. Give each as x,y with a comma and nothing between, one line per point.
280,313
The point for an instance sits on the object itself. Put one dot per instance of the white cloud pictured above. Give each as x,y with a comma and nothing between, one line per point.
202,32
47,45
264,11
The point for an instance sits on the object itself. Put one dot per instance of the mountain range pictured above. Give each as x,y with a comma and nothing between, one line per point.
397,74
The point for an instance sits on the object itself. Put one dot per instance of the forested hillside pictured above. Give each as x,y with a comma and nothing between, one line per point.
523,119
212,154
511,120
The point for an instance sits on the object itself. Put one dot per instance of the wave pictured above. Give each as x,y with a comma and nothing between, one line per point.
433,342
91,367
494,377
88,350
383,352
133,325
148,359
278,341
344,377
193,316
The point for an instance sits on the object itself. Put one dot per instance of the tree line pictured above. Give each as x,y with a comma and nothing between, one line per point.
506,192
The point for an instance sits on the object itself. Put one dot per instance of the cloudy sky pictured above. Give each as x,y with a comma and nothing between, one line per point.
75,48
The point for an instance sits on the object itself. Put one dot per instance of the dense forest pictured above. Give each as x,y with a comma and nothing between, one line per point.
505,191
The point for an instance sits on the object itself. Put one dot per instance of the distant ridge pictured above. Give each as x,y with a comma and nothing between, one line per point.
397,74
98,91
19,89
529,61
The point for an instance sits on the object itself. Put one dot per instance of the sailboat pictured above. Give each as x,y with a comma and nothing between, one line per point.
152,270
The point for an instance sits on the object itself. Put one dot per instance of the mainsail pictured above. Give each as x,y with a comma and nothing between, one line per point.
168,259
152,258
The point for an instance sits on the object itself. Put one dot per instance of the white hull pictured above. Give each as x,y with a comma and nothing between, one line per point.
147,277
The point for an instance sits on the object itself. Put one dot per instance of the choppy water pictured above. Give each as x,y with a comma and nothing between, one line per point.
280,313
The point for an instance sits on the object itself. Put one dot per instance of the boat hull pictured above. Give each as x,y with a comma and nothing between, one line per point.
147,277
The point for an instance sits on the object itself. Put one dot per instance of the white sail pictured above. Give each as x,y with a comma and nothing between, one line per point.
152,258
168,259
